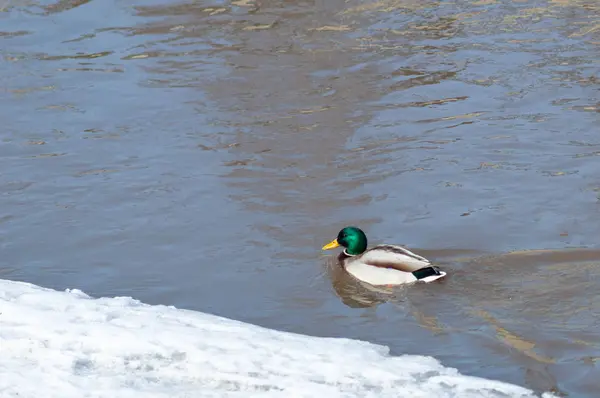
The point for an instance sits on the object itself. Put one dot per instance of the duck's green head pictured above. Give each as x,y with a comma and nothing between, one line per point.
352,238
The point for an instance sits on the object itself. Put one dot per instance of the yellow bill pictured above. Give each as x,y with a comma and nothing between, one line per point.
331,245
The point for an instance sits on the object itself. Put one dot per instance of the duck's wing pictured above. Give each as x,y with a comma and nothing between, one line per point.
396,257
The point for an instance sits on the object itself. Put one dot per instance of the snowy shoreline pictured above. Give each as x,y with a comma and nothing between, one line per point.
67,344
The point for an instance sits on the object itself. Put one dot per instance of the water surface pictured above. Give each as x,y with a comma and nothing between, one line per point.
199,154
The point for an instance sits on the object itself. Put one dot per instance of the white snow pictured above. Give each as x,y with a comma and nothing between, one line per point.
69,345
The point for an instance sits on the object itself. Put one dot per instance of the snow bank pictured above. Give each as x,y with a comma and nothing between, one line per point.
67,344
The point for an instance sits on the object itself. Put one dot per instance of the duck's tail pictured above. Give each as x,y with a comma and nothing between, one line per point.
429,274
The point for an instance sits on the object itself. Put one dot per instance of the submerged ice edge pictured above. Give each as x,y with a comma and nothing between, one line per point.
67,344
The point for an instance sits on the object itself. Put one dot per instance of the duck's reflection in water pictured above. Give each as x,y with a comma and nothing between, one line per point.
353,292
357,294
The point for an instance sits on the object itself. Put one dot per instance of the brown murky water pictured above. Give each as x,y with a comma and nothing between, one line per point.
200,153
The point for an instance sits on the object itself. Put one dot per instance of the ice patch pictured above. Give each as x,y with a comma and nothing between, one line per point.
66,344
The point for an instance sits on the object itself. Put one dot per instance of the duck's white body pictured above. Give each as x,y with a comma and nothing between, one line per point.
390,265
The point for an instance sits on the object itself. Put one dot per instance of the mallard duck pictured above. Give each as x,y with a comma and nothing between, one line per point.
382,264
